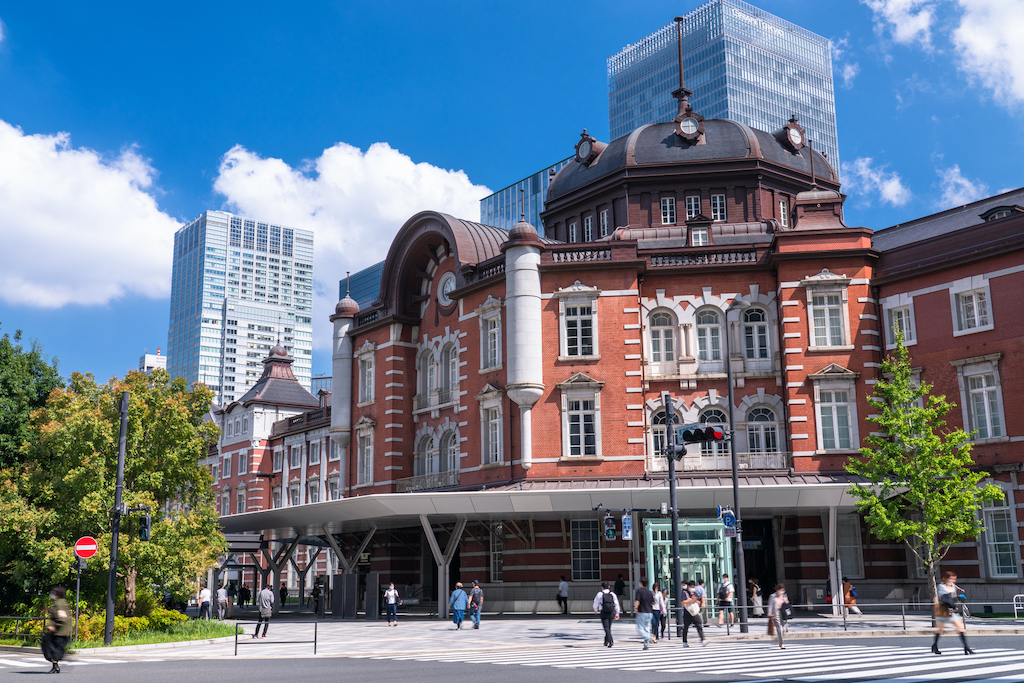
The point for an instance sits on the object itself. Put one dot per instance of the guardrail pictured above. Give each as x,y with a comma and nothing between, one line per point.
255,641
17,627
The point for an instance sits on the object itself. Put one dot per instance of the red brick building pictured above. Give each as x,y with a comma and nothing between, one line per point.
503,386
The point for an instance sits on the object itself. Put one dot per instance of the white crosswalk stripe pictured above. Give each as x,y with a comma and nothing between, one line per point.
20,663
805,662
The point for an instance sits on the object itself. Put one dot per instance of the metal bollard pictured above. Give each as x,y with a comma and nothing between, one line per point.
903,609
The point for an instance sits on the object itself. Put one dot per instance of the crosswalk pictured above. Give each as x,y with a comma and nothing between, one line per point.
23,662
762,662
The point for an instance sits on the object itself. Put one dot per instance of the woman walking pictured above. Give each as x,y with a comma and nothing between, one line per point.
850,598
660,610
458,602
946,612
756,599
55,640
777,604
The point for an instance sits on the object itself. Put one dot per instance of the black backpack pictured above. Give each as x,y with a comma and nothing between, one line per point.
723,591
607,603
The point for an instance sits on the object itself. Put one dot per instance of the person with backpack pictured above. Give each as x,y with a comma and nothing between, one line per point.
779,611
725,594
476,603
606,604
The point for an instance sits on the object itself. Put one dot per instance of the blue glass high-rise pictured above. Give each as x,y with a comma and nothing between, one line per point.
740,62
504,208
238,287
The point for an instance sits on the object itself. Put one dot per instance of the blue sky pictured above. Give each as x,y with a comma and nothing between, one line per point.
119,123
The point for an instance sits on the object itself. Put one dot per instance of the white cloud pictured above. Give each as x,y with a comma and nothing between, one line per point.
957,189
848,73
909,21
354,201
2,34
863,178
77,227
988,41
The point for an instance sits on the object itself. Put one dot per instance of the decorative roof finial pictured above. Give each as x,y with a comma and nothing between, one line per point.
522,204
348,281
682,93
810,144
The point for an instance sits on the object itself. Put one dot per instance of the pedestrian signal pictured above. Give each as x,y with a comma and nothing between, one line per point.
703,435
609,528
145,523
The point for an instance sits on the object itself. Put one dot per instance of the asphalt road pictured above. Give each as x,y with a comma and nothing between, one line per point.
846,660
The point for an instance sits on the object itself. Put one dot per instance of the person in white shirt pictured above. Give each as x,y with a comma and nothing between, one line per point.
391,600
203,598
222,602
606,604
265,601
563,595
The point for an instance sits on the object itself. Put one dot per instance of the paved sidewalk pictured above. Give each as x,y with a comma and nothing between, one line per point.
292,635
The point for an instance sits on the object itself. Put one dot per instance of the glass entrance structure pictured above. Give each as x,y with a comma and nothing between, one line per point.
704,553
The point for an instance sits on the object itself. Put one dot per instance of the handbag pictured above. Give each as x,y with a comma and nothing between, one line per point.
693,608
853,592
786,611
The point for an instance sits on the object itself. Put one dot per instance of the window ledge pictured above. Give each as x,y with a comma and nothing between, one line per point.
906,342
845,347
363,486
587,359
995,439
838,451
582,458
973,330
363,404
493,368
492,465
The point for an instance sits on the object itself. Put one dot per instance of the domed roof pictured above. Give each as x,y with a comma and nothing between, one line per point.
658,144
347,307
278,351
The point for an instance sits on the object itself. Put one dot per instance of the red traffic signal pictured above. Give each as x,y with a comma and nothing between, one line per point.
702,435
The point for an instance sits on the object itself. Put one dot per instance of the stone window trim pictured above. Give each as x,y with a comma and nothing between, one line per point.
364,429
581,387
987,540
980,365
491,398
961,288
278,459
366,353
605,229
668,210
836,378
581,295
823,283
490,310
899,302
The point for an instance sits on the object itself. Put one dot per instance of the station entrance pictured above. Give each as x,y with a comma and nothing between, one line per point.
704,552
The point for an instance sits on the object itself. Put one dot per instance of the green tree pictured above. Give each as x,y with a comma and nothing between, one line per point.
26,379
922,486
65,487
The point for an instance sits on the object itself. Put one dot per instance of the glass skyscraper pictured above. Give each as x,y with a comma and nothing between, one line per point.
503,208
238,287
740,62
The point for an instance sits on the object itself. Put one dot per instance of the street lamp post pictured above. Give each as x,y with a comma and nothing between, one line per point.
738,304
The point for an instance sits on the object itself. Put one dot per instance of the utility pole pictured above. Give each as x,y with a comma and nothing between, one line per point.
741,589
108,631
670,440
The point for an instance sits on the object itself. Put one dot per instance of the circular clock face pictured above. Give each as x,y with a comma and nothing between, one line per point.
447,287
795,136
688,125
584,151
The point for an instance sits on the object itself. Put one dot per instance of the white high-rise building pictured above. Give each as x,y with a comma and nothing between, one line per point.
239,286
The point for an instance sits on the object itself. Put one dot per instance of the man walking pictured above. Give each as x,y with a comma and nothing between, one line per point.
58,629
458,602
606,604
204,602
476,603
284,593
222,602
691,612
391,600
265,602
232,596
701,593
620,590
563,595
725,593
643,607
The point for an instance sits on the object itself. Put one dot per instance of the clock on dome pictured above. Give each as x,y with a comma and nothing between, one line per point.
445,289
793,135
588,148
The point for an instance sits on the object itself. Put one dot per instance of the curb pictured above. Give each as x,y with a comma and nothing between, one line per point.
153,646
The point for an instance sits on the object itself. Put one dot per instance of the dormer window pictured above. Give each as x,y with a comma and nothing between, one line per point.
997,212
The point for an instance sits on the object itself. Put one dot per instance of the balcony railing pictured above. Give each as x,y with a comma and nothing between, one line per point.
702,259
428,482
436,399
421,402
722,461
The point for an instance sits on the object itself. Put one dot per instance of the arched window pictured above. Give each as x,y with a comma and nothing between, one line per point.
427,371
755,334
449,452
663,339
424,459
449,371
714,417
658,434
709,336
762,439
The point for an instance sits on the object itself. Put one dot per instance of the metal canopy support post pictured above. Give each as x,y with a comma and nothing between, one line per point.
349,565
302,573
276,565
833,562
443,560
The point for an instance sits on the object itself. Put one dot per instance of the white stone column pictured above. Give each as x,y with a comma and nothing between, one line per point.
341,371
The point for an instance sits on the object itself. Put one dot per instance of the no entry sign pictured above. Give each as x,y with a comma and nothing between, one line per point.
86,547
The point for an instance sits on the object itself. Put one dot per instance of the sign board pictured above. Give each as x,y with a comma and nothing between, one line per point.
86,547
627,527
730,532
729,519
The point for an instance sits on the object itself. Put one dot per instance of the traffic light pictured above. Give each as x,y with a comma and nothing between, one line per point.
145,522
673,450
703,435
609,527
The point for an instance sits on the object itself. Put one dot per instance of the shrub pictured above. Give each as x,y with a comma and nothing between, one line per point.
161,619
